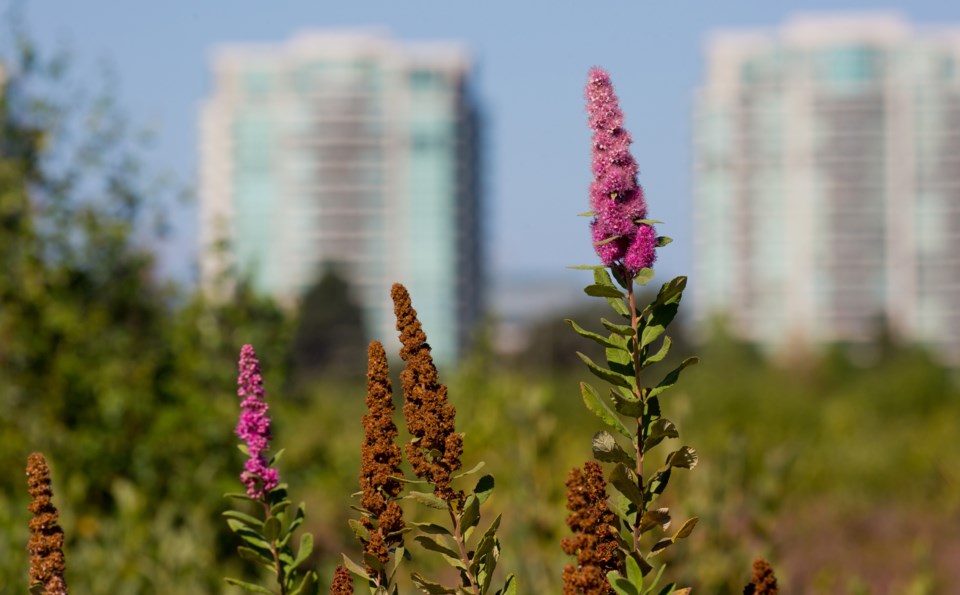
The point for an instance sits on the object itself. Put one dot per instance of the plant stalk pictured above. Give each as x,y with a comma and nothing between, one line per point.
462,547
641,421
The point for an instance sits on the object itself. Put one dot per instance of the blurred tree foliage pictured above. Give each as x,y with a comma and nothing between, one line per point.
328,339
122,381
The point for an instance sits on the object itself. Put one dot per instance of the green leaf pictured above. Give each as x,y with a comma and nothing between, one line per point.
276,457
625,402
373,562
687,528
306,585
659,355
656,579
473,470
596,405
247,534
644,276
621,584
661,545
685,458
358,529
306,548
271,528
602,277
509,587
587,267
607,240
470,516
355,568
586,214
427,500
244,518
663,241
647,221
247,586
670,379
605,374
621,329
484,488
257,557
603,291
593,336
660,429
433,529
652,519
625,482
428,586
238,496
429,543
606,449
634,575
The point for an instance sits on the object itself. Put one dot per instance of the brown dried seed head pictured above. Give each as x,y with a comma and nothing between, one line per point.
593,542
434,452
380,456
342,582
764,582
47,563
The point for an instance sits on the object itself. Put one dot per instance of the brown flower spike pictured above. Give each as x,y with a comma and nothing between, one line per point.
47,563
594,542
380,460
764,582
342,583
434,452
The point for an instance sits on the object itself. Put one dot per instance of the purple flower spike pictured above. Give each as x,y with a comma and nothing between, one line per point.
616,198
253,426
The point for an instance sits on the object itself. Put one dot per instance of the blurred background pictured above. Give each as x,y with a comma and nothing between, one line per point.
177,180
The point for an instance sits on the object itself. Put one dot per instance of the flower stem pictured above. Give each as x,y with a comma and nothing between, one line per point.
275,550
462,547
641,421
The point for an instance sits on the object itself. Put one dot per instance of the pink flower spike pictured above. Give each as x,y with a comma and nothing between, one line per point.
253,427
615,196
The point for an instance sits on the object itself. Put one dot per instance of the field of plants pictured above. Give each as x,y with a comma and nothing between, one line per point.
839,467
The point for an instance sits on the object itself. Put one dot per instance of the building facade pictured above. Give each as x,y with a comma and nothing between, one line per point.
827,192
353,150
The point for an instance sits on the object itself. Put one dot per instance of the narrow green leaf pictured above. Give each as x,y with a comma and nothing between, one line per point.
659,355
355,568
687,528
655,581
596,405
661,545
470,516
663,241
433,529
307,584
587,267
671,379
276,457
509,587
606,449
427,500
484,488
586,214
625,482
602,277
621,329
605,374
252,555
429,543
244,518
247,586
430,587
593,336
238,496
373,562
603,291
647,221
473,470
633,572
607,240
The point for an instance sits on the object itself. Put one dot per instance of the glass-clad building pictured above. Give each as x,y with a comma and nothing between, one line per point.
827,182
353,150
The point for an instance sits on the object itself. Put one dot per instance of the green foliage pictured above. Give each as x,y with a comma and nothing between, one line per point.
633,411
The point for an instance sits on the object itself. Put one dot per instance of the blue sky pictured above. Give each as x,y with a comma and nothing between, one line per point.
531,62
